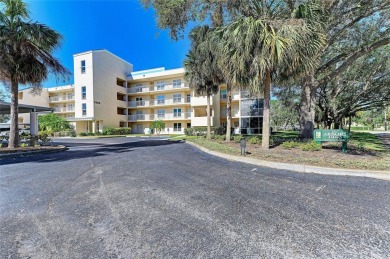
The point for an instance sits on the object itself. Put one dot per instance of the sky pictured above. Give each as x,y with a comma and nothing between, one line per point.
122,27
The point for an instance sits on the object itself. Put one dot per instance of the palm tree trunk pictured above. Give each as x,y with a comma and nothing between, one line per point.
208,136
14,128
228,112
266,110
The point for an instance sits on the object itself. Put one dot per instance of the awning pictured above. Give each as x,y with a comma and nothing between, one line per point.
5,108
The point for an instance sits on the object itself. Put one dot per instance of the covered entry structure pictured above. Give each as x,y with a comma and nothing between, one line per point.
5,109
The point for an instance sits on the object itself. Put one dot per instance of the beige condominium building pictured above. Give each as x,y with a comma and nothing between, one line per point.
108,93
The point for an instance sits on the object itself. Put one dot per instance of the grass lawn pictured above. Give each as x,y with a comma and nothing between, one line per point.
365,151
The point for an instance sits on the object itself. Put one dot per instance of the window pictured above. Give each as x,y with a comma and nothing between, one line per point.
70,96
82,66
161,114
160,99
83,92
177,83
177,98
160,85
177,112
223,94
84,108
188,98
176,126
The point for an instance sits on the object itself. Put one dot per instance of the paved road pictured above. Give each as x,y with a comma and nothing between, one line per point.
136,198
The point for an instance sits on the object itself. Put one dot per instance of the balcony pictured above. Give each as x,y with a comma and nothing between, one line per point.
170,101
166,116
200,101
201,121
138,89
134,104
61,98
168,87
64,109
235,96
235,113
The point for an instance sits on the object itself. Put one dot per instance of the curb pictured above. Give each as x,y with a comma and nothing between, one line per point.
36,152
383,175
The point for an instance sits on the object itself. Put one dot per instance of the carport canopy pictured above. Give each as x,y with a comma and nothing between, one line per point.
5,108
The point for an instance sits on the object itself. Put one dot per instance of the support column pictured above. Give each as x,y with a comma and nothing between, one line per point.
33,127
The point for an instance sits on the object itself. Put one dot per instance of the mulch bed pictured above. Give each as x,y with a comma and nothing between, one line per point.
6,150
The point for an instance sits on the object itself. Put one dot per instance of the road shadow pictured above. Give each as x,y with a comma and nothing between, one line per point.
94,150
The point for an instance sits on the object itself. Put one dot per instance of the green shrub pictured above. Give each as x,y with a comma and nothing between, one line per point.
90,134
237,138
311,146
23,145
189,132
219,137
254,140
116,131
290,144
83,134
44,138
219,131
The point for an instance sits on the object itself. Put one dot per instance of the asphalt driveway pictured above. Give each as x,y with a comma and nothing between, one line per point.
152,198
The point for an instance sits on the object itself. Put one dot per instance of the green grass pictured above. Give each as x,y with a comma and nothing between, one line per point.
368,141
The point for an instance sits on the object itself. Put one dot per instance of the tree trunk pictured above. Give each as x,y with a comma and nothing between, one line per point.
228,112
14,129
349,123
266,110
208,136
307,108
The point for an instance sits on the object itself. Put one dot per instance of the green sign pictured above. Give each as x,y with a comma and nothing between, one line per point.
331,135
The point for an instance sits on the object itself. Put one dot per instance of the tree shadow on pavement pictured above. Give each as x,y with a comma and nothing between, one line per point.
93,150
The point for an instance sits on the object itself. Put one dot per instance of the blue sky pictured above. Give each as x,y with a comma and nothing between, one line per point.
122,27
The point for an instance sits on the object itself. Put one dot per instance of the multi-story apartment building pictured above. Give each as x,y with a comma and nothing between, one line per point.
108,93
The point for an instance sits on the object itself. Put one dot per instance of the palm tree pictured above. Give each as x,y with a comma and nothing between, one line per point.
26,49
267,45
201,68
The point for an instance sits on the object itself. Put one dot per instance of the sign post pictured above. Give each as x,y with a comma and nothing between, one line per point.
243,146
338,135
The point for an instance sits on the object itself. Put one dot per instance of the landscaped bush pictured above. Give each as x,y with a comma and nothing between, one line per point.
189,132
116,131
237,138
220,131
219,137
311,146
254,140
290,144
64,133
83,134
201,130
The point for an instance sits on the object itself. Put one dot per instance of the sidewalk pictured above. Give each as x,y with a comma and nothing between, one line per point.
383,175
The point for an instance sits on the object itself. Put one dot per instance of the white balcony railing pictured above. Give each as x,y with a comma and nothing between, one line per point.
64,109
138,103
169,87
138,89
166,116
170,101
61,98
235,96
149,88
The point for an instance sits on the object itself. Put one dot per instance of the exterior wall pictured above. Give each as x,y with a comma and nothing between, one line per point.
39,99
106,69
118,97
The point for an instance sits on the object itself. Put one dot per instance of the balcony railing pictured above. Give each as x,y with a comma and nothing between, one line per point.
235,96
166,116
138,103
149,88
235,113
64,109
61,98
171,101
168,87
